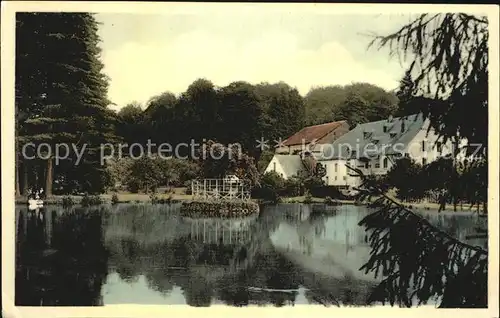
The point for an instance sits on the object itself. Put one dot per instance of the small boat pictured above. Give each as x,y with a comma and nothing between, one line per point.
36,202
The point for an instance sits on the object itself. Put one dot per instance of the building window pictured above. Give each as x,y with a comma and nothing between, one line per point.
336,167
385,128
345,178
424,161
423,145
377,164
392,135
367,165
335,178
274,166
403,127
386,162
327,179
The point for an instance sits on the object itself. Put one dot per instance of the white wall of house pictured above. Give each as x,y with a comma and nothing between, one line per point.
424,148
337,173
275,165
427,147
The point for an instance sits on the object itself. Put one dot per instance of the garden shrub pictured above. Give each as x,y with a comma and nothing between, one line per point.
211,209
114,198
67,201
88,200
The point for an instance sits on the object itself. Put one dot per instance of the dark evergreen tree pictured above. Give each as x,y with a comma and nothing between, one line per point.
68,103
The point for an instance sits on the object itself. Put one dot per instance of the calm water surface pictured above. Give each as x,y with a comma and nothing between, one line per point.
148,254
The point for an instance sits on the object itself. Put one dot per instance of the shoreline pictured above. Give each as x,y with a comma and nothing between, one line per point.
130,198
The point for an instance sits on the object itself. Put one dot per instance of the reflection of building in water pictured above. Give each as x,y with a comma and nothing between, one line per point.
232,237
225,231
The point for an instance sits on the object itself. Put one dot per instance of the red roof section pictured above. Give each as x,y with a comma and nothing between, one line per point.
308,134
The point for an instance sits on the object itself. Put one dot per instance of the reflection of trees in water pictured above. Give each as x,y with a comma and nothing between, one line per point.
271,279
68,268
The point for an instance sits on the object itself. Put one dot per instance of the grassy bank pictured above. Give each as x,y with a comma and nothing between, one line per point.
179,195
123,197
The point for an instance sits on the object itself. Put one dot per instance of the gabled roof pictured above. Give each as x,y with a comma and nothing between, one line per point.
291,164
356,141
311,133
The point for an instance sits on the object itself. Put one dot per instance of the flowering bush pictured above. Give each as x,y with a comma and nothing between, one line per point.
219,208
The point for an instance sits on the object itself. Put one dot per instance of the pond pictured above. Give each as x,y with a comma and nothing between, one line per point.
149,254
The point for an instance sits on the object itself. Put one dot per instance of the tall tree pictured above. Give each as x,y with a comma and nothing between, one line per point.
405,93
241,115
354,110
380,103
160,118
451,83
284,110
199,107
68,103
132,125
451,86
322,102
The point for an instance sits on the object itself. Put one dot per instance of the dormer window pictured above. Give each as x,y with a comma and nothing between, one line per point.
392,135
385,128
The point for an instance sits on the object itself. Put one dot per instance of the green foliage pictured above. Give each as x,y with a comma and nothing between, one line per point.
89,200
233,161
146,173
61,90
131,126
153,197
371,103
449,85
67,201
270,188
308,199
219,208
417,261
272,180
265,158
407,177
294,186
329,201
114,199
283,110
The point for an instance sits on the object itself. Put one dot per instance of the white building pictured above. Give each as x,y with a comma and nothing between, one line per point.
374,147
286,166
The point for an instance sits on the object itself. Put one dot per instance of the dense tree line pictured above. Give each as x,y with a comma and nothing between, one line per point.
242,113
357,103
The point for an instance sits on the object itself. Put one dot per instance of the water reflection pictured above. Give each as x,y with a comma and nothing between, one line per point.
61,259
289,254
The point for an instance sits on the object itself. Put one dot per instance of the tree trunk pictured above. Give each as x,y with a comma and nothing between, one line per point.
25,179
48,178
18,185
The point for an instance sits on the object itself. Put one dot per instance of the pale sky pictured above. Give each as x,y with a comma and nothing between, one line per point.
146,54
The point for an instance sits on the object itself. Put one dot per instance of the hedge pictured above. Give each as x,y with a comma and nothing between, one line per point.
212,209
